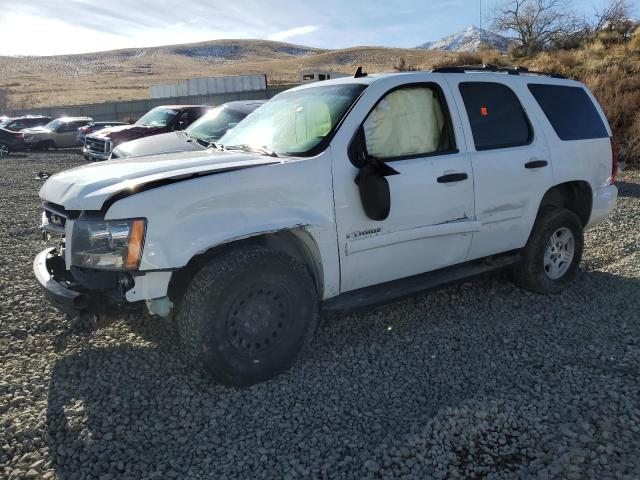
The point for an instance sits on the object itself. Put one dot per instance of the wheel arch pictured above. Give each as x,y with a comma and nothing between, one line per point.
296,242
575,196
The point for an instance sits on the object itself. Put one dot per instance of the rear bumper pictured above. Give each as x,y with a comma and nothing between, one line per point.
69,301
604,201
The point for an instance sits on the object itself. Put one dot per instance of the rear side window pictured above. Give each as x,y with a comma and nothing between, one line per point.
570,111
496,116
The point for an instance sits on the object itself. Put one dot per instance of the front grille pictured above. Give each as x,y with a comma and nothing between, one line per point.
97,145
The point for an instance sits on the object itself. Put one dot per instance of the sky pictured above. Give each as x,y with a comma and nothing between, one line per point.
52,27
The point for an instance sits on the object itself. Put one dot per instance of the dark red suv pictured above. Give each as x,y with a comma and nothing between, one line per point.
167,118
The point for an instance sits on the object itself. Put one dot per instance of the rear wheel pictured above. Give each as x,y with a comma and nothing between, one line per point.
4,150
552,254
247,313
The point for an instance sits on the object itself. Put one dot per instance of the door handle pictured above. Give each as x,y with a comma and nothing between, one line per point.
452,177
536,164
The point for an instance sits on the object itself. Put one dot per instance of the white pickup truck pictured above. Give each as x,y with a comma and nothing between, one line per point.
335,195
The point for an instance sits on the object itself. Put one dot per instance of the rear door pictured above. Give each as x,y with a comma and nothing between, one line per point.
510,159
410,127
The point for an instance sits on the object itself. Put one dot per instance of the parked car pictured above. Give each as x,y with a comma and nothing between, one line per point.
10,142
16,124
98,146
337,194
197,136
94,127
59,133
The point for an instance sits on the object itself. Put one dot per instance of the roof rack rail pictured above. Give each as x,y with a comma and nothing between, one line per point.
492,68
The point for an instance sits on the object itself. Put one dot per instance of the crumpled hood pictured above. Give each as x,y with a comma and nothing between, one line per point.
164,143
89,186
125,133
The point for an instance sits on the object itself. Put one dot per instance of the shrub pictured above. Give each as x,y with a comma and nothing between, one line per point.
619,96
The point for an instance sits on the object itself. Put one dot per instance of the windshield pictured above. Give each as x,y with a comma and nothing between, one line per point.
5,122
53,125
215,123
158,117
293,123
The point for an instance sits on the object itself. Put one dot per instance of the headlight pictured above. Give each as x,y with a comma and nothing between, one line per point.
108,244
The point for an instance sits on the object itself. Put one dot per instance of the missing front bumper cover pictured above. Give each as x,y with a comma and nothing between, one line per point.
65,292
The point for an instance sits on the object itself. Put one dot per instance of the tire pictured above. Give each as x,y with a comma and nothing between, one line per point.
5,150
548,267
247,314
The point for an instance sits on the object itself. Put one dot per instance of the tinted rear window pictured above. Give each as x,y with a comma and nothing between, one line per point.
496,116
570,111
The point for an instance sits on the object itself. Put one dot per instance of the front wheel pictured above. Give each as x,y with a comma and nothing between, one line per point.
552,254
4,150
247,313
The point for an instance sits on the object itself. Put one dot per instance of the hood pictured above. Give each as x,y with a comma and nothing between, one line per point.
90,186
125,133
171,142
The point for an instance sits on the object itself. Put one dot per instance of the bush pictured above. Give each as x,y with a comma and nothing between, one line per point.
619,96
4,98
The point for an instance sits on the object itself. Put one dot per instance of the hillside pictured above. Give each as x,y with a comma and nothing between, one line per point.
127,74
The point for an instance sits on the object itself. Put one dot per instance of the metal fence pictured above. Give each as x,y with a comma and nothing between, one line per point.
134,109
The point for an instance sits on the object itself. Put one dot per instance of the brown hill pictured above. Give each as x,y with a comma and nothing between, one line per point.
127,74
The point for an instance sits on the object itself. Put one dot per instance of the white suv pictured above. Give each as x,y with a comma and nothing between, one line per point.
336,195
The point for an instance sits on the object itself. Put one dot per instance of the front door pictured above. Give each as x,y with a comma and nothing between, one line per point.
411,129
67,135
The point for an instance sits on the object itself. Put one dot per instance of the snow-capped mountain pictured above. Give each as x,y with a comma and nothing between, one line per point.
468,40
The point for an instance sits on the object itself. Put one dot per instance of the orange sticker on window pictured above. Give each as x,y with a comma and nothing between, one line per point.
483,111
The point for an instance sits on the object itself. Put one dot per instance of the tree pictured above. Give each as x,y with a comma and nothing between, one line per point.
536,24
403,66
615,16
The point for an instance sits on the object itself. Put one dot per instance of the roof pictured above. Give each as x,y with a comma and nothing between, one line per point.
27,116
498,75
184,107
244,106
74,119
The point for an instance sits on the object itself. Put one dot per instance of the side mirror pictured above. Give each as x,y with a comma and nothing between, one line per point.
372,184
374,194
357,150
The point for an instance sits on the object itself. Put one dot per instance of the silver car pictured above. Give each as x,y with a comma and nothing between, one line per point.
59,133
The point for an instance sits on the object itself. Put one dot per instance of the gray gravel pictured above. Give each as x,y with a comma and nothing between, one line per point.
480,380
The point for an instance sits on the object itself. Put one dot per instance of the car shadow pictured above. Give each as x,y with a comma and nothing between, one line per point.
628,189
142,404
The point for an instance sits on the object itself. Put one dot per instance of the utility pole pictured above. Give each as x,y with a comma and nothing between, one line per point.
480,15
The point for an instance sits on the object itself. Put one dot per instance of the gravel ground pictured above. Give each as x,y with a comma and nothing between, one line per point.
479,380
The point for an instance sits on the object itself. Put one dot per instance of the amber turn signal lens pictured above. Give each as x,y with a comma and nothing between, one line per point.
136,240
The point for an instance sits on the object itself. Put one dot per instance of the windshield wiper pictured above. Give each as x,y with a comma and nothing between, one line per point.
248,148
207,143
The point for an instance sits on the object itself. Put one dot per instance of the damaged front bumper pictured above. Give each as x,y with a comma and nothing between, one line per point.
71,302
81,292
63,291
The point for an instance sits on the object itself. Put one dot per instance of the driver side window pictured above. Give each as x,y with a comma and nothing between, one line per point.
408,122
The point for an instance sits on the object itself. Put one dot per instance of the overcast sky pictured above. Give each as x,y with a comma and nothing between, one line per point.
50,27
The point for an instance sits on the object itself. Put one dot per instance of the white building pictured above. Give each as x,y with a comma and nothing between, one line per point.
312,75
